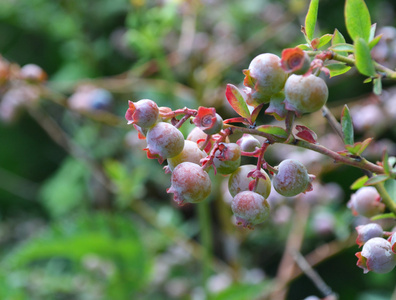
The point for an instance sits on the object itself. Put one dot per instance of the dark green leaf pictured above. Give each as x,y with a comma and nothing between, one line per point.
337,69
376,179
364,62
358,183
347,126
357,19
237,101
377,86
310,19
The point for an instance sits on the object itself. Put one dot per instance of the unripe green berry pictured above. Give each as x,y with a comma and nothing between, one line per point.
239,181
305,94
191,153
229,159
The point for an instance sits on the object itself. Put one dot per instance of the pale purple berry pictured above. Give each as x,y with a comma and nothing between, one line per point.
143,113
376,256
367,232
248,143
366,202
191,153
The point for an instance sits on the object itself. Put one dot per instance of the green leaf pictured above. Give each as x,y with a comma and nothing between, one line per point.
364,62
324,39
347,126
310,19
358,147
374,41
338,38
390,186
383,216
276,131
342,47
358,183
237,101
377,86
385,162
337,69
357,19
376,179
304,47
373,27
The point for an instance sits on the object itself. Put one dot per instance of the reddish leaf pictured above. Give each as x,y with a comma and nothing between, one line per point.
256,112
237,101
306,134
237,120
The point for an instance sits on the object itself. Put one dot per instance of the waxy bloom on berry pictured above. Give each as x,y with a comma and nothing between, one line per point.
295,60
367,232
249,209
208,120
164,141
376,256
143,113
190,183
366,202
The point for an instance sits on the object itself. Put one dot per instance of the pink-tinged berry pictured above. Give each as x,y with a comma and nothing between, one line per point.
32,72
265,77
164,141
305,94
295,60
208,120
392,241
198,136
376,256
143,113
190,153
227,158
248,143
367,232
292,178
240,182
250,209
189,183
366,202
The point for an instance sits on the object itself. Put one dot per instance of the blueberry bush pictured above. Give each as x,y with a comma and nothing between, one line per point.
198,150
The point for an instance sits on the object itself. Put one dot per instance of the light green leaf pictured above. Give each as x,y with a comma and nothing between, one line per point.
337,69
304,47
358,183
276,131
324,39
342,47
383,216
364,62
390,186
347,126
377,86
374,41
376,179
338,38
310,19
357,19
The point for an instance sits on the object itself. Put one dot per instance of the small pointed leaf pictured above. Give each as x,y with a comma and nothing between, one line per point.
325,39
358,183
337,69
374,41
304,47
310,19
347,126
383,216
364,62
276,131
357,19
358,147
376,179
338,38
377,86
373,27
237,101
256,112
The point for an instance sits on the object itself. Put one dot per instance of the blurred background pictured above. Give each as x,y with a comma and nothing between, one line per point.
85,215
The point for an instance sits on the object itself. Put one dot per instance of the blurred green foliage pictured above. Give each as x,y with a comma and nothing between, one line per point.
84,214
